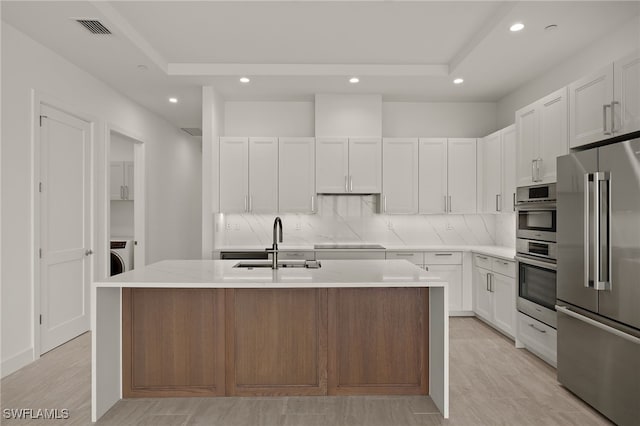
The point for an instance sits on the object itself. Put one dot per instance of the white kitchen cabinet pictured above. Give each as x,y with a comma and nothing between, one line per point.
504,302
296,170
432,173
509,168
482,299
605,103
490,164
461,175
400,175
263,175
541,137
350,254
234,174
537,337
121,180
452,274
495,293
348,166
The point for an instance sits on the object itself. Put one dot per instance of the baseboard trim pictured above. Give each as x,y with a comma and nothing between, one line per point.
461,314
16,362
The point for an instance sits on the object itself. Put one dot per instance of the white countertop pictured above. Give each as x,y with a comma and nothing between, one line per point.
222,274
507,253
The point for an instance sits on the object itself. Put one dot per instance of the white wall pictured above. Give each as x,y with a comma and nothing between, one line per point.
438,119
269,119
173,178
338,115
619,43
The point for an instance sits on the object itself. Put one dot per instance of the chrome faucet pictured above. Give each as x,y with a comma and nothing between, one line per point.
274,248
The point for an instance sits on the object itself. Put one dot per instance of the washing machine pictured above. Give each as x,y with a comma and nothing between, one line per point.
121,256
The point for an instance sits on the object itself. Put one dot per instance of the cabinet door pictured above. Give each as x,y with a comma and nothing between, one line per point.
509,169
297,171
234,175
452,274
482,297
365,166
129,177
527,144
553,134
332,165
504,302
461,175
589,104
432,172
626,83
490,160
263,175
116,180
400,176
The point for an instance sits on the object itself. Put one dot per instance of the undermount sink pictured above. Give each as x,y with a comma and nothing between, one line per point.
283,264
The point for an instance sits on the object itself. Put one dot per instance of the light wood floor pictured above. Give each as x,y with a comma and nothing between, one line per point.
492,383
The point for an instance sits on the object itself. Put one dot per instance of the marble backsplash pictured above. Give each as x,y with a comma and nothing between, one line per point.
354,219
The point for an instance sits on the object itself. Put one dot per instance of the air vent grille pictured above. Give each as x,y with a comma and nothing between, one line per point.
94,26
193,131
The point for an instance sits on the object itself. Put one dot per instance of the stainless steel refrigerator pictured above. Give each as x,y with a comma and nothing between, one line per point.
598,278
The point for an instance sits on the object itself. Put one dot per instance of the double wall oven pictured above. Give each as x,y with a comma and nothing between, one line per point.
536,251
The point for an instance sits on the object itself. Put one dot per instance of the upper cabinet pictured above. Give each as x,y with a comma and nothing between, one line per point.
348,165
297,164
400,175
605,103
541,137
490,172
121,180
461,175
509,169
248,175
432,173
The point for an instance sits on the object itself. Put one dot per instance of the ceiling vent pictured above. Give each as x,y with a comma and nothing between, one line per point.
94,26
193,131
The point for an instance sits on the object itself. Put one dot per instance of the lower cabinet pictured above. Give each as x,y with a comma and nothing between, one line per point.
447,265
537,337
494,287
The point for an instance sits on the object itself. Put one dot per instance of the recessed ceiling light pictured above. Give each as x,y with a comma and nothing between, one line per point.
518,26
173,100
458,81
354,80
244,80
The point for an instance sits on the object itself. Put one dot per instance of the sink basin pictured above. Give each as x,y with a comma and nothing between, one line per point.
267,264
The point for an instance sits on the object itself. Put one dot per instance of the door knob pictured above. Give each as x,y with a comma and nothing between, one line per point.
88,252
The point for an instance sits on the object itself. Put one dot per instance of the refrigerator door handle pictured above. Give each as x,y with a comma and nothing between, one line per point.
601,326
588,178
603,215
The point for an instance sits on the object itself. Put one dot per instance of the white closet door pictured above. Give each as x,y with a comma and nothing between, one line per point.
365,165
297,175
461,175
234,175
432,175
263,175
400,175
332,165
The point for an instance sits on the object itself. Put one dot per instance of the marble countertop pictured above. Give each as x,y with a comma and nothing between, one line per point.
222,274
507,253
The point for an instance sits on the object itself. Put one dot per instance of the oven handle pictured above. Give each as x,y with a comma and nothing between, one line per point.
538,263
536,205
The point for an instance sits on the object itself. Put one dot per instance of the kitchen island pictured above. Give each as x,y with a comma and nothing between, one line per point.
210,328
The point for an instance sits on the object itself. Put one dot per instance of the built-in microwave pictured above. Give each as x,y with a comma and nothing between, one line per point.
536,207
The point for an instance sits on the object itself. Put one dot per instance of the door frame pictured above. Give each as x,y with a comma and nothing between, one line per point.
140,202
38,99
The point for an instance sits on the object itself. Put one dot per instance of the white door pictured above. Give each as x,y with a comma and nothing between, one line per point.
452,274
116,180
129,179
482,300
509,169
490,159
432,186
400,175
365,165
626,83
527,144
65,227
553,134
589,107
461,175
332,165
263,175
296,181
234,175
504,302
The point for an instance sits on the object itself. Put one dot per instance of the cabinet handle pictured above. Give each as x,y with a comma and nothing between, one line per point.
537,329
514,201
313,204
444,254
481,257
449,203
346,183
350,183
604,119
613,116
491,283
533,170
487,282
384,203
497,208
404,254
121,192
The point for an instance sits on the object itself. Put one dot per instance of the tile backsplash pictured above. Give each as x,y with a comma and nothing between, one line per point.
354,219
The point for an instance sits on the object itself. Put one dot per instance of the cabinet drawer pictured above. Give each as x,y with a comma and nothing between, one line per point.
538,337
416,258
443,258
349,255
503,267
482,261
296,255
